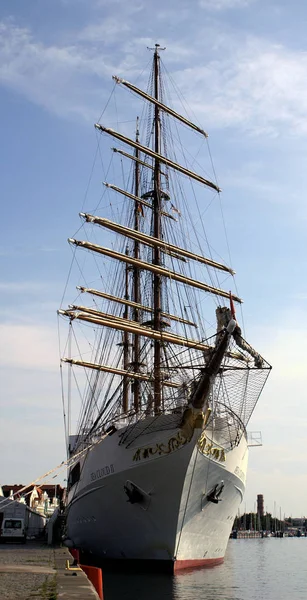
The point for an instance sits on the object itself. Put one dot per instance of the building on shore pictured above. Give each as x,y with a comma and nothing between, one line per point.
260,509
43,499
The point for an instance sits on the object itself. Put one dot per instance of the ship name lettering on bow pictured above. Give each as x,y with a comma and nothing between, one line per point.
99,473
206,447
239,473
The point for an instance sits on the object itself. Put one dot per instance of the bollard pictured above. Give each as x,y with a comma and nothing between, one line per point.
75,554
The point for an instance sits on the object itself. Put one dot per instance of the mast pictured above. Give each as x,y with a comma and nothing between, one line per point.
136,277
157,279
126,341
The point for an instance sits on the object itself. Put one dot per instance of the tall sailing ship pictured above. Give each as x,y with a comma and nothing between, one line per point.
157,464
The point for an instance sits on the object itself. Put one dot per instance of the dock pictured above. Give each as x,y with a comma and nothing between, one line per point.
36,571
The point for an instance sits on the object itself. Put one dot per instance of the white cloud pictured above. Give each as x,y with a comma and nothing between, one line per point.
247,82
283,344
281,415
50,76
14,250
255,179
32,431
276,486
217,5
29,346
255,84
34,444
98,4
31,287
66,79
106,31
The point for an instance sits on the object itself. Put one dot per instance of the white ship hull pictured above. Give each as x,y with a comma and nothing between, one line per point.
170,518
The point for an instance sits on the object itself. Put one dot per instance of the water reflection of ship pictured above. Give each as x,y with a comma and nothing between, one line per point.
139,586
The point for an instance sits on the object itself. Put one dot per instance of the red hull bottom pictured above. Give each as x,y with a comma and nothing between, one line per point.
137,565
181,565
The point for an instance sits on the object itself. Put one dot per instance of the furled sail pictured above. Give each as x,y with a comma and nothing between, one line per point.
162,106
151,241
140,201
162,159
154,268
134,305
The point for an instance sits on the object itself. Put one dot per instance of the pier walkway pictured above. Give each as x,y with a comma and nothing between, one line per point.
35,571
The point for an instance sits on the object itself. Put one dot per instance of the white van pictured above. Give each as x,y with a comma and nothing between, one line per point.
13,529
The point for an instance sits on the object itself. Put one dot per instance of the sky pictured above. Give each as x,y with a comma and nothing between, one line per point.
241,66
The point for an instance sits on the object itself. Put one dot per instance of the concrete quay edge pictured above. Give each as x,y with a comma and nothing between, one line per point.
71,584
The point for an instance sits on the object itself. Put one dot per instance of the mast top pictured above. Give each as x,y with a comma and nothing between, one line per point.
156,49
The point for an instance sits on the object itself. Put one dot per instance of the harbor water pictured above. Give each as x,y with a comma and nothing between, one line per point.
254,569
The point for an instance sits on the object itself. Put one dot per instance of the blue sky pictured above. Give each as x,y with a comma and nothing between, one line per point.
242,68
